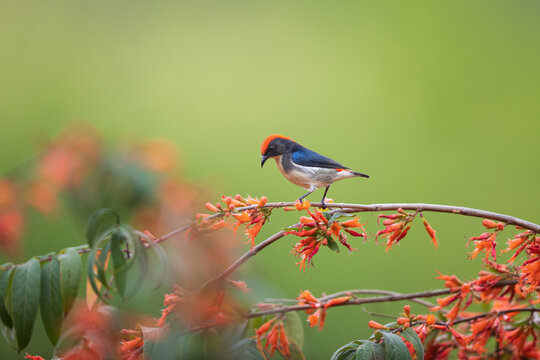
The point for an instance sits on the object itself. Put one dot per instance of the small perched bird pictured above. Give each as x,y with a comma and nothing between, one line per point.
304,167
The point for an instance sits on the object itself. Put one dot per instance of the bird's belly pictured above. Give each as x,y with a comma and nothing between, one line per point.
308,177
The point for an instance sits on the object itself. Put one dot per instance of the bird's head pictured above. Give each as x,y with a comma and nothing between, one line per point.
276,145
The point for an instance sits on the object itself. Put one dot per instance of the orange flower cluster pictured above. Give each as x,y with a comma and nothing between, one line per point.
461,293
94,333
11,217
317,313
276,338
396,227
171,302
131,349
472,337
322,228
530,269
514,340
77,164
526,241
252,218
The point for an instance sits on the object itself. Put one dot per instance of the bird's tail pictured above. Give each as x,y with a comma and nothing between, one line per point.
360,174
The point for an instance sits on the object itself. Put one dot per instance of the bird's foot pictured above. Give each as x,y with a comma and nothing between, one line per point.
323,205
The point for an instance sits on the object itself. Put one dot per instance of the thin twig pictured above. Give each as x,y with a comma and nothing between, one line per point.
372,291
247,255
378,314
369,300
480,316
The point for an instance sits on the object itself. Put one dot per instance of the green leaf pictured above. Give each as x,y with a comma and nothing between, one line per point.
140,257
9,335
395,347
99,222
346,351
51,299
332,245
369,350
204,346
70,277
365,351
336,216
296,352
294,328
5,278
119,262
411,336
25,291
162,259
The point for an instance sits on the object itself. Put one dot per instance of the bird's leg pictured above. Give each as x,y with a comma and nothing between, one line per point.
323,205
311,189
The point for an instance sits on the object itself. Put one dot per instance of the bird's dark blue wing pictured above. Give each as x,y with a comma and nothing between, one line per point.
306,157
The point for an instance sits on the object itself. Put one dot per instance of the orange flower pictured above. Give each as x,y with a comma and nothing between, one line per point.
304,205
218,225
484,244
33,357
11,229
254,231
262,202
430,319
305,250
430,231
460,338
127,346
307,296
272,340
530,272
352,223
335,228
240,285
489,224
232,203
283,346
314,318
451,281
211,207
403,321
337,301
445,301
276,338
263,328
453,313
243,217
375,325
407,310
392,218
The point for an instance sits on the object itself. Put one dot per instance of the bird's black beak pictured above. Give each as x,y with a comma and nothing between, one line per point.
264,158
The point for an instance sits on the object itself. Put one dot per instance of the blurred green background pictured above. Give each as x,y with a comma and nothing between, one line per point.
438,101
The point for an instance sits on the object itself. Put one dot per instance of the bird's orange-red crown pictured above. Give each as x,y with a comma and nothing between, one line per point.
269,139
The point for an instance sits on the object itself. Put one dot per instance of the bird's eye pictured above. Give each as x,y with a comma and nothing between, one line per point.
270,148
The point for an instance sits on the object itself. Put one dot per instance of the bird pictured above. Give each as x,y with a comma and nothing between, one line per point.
304,167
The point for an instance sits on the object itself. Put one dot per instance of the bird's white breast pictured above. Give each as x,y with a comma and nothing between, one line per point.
308,176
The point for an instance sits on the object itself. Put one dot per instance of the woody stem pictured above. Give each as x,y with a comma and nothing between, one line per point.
368,300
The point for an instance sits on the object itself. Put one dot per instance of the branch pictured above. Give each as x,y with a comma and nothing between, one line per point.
354,208
359,301
373,291
475,317
247,255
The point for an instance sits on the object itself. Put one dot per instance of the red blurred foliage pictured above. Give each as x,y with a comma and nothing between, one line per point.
94,334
